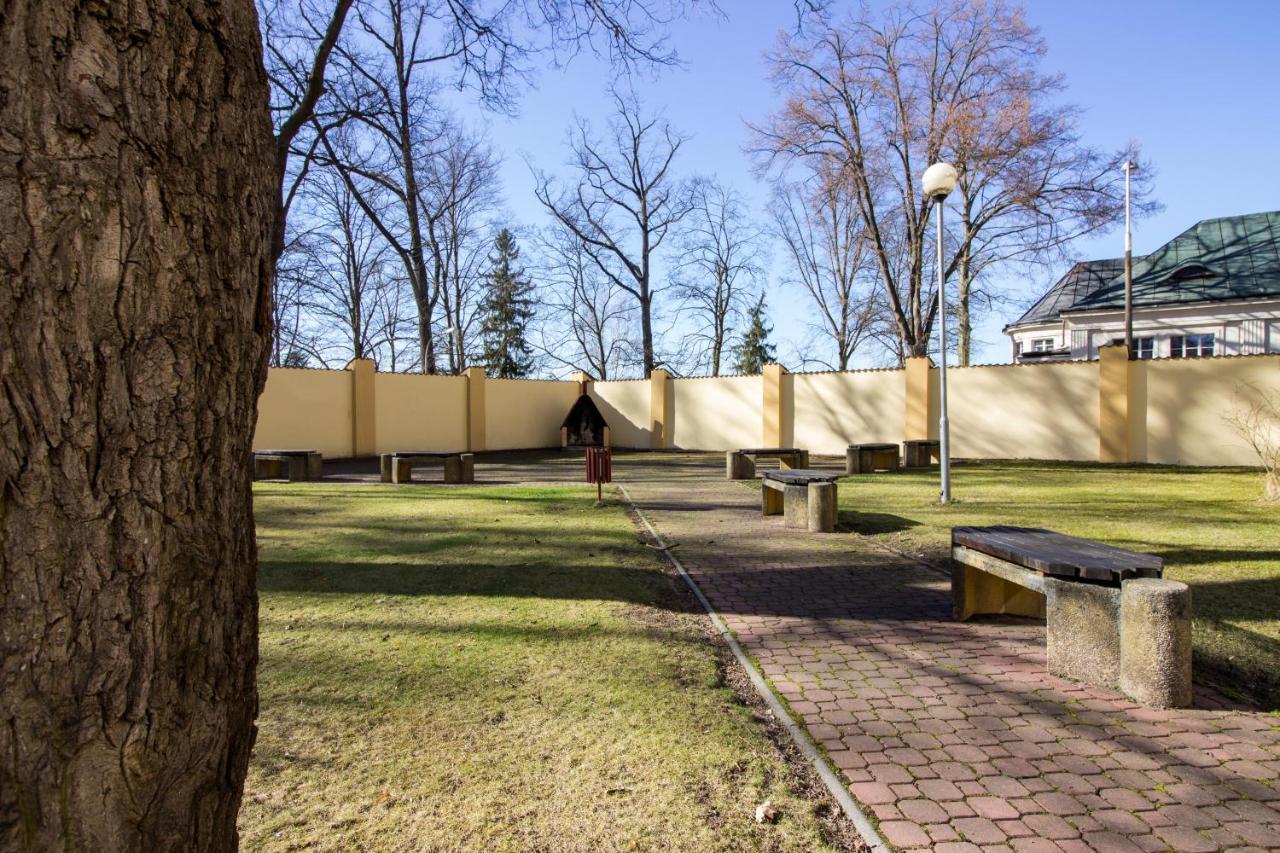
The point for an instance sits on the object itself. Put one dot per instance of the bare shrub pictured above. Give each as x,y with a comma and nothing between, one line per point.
1256,417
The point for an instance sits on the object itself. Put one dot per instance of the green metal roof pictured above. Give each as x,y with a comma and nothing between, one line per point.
1233,257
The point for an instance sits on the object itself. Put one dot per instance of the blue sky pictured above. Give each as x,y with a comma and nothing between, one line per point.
1197,83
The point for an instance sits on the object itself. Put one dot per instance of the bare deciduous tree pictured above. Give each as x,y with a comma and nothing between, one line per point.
878,99
721,261
460,191
586,320
624,205
137,240
1256,418
818,224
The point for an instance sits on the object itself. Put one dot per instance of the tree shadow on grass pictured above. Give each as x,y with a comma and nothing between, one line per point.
549,580
870,523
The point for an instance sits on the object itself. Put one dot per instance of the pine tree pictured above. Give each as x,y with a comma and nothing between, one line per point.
754,351
506,312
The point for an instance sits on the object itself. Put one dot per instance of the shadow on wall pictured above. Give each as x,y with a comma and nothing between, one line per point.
1045,411
721,413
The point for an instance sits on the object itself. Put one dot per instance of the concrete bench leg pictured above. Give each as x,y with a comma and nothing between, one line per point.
315,466
822,507
803,461
1155,642
384,463
852,461
1082,636
453,469
739,466
795,506
401,471
468,467
770,501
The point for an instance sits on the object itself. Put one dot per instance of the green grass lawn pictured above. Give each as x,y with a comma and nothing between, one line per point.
493,668
1208,525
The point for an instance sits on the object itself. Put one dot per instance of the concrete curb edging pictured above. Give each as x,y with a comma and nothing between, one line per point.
824,770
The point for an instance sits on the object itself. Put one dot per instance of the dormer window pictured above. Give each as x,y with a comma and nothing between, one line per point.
1191,272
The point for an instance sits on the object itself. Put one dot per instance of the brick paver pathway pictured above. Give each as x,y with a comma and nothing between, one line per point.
953,735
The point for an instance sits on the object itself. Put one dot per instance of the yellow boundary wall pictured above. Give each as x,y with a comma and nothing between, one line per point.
1168,411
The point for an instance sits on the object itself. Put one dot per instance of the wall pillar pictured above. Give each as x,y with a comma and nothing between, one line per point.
660,409
773,428
475,409
364,423
1113,403
920,415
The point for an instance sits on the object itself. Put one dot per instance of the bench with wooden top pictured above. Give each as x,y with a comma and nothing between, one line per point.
804,497
920,452
398,467
1110,617
741,464
291,465
866,458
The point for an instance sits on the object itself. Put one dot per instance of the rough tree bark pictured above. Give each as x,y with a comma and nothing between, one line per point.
137,194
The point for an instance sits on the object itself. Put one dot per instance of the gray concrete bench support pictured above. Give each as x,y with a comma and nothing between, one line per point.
1155,642
739,466
809,507
1081,637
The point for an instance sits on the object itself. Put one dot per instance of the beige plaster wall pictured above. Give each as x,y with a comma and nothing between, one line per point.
525,413
414,411
1179,408
834,410
723,413
1043,411
625,407
306,409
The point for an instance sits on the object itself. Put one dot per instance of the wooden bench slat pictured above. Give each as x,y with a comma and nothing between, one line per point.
1058,554
801,476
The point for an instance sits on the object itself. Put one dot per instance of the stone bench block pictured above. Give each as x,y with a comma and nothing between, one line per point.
1081,640
1155,642
739,466
822,507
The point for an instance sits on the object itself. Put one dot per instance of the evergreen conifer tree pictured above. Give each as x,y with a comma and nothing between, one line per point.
754,351
506,312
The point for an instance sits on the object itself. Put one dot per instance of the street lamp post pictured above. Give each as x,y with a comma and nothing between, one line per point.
1129,166
939,180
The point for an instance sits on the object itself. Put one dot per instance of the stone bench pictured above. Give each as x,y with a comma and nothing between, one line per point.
866,458
1110,618
741,464
291,465
920,452
805,498
398,467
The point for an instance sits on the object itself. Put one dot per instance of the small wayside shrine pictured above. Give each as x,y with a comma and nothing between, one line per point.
584,426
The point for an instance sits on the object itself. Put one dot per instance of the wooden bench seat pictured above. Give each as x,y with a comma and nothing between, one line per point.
741,464
1110,618
804,497
867,458
398,467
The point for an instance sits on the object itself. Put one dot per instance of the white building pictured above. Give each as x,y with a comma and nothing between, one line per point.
1212,290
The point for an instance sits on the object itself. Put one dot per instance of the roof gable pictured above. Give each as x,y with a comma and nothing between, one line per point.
1232,257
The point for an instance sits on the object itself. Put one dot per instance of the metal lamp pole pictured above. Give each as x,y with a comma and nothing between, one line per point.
939,180
1129,166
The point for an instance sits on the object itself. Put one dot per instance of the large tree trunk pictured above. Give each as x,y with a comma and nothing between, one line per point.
137,207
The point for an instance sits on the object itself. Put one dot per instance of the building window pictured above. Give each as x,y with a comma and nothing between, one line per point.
1041,344
1145,347
1017,347
1191,346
